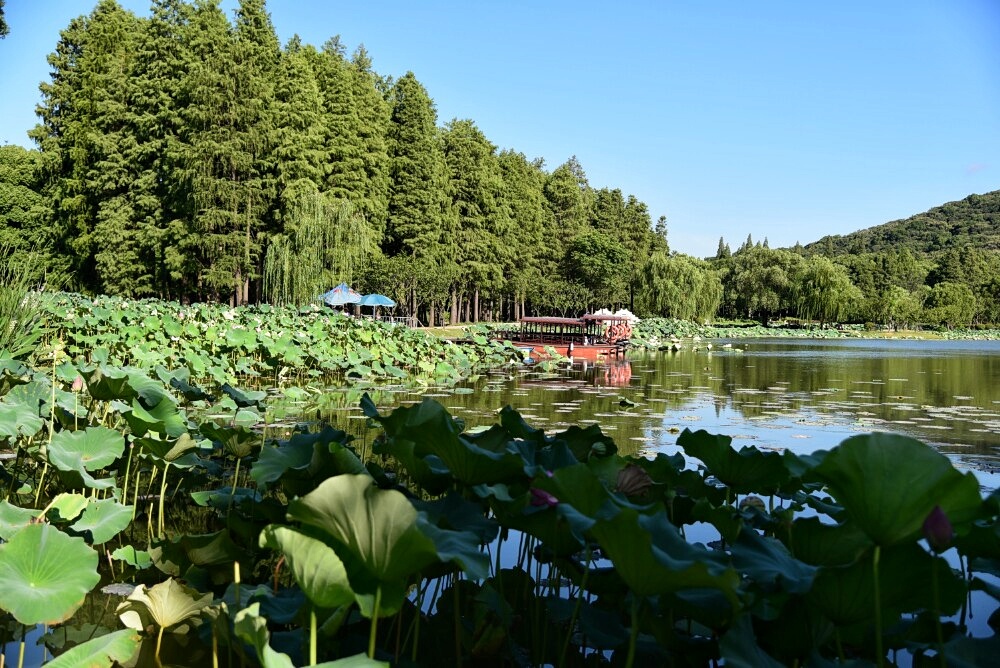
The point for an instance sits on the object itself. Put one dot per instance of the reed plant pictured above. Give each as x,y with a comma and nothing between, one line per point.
21,321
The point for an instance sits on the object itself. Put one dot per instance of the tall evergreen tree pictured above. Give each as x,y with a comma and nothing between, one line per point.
84,135
570,199
417,192
374,115
484,221
524,198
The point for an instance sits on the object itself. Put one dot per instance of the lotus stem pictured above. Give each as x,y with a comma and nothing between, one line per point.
41,482
458,626
163,493
128,469
374,627
159,639
880,652
633,632
576,610
937,613
312,635
236,480
20,654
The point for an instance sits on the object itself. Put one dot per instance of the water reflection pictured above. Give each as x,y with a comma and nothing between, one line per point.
801,395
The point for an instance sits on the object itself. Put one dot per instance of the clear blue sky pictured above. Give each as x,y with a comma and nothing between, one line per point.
783,119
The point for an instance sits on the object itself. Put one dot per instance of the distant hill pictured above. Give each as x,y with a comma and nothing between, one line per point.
973,221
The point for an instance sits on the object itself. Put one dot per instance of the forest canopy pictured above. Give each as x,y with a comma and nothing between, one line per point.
190,157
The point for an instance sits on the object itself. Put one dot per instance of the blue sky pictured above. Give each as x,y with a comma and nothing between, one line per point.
782,119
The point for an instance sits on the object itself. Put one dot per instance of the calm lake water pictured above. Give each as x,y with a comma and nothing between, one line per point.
798,394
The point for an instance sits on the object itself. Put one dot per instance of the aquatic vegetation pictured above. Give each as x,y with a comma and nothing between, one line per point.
439,545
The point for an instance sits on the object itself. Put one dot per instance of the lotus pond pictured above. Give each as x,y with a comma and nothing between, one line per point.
154,515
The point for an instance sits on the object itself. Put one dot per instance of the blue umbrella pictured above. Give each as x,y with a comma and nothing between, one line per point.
376,300
340,295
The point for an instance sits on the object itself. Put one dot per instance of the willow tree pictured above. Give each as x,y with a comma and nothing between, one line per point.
822,290
679,286
326,241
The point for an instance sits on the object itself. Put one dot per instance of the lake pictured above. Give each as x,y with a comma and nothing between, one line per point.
796,394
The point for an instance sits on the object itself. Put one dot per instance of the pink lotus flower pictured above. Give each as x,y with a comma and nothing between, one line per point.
78,383
539,497
938,530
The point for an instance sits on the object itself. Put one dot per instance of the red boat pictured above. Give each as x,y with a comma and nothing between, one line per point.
589,337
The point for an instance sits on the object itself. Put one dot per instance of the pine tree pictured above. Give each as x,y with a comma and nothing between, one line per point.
570,200
723,251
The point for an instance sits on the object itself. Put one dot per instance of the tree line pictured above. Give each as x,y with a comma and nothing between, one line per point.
189,157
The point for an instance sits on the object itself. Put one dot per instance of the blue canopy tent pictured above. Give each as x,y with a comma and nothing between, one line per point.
341,295
375,301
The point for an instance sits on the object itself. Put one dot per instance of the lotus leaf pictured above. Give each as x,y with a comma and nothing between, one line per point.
106,383
846,594
739,647
215,551
251,628
653,558
136,558
888,484
14,518
305,460
167,451
163,418
114,648
67,507
382,543
45,574
19,419
748,470
104,519
318,570
768,563
169,605
234,441
814,542
243,399
94,448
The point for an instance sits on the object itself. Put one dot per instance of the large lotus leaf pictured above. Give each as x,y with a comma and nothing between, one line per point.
585,442
768,563
169,605
104,519
653,558
234,441
846,595
66,507
135,558
19,419
163,418
94,447
306,460
889,484
45,574
457,513
107,383
190,392
214,551
167,451
427,472
377,529
739,647
748,470
14,518
251,628
244,399
436,432
819,544
115,648
317,569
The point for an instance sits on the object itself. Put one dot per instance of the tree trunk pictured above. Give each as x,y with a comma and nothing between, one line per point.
475,309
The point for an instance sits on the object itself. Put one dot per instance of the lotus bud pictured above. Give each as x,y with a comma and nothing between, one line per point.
633,480
938,530
539,497
78,384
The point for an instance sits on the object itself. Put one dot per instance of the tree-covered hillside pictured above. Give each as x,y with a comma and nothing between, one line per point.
971,222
